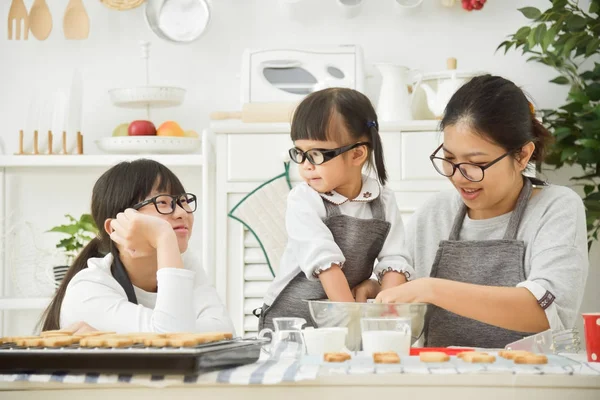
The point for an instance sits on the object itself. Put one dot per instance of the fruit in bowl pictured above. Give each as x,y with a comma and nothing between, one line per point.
121,130
192,134
141,128
170,128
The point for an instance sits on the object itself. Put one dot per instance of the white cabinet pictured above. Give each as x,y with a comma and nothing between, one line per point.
250,154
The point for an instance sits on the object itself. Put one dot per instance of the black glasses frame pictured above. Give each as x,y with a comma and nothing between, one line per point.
328,154
432,157
175,199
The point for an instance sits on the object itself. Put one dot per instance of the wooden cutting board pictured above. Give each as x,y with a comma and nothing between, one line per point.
259,112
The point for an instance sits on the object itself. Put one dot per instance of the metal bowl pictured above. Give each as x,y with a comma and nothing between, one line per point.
335,314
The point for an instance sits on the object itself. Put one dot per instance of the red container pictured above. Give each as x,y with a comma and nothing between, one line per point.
451,351
591,326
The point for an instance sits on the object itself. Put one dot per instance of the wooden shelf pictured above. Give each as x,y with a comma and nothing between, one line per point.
101,160
24,303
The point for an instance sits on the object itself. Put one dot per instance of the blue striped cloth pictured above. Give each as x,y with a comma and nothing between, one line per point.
263,372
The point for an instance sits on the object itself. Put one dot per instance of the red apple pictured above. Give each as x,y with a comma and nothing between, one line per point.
141,128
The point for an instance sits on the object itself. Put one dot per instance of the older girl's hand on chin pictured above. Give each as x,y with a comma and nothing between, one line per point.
140,234
417,291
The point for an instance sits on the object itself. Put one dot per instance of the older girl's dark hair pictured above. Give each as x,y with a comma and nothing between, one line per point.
119,188
313,116
498,109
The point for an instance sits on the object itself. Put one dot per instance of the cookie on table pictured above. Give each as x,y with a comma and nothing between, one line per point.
433,356
512,354
388,357
533,359
336,357
477,357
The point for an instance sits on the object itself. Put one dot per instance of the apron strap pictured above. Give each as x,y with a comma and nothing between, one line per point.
120,274
458,222
517,214
377,208
515,218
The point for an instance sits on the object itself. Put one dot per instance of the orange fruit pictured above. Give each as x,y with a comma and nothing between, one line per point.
170,128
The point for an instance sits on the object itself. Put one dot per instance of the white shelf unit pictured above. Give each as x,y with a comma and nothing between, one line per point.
101,160
11,163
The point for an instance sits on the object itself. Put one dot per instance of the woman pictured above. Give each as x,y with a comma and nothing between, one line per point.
133,277
502,256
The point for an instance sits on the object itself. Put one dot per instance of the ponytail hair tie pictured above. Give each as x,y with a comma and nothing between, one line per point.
531,108
372,124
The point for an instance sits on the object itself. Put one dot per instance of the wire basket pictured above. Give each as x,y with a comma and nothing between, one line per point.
122,5
31,268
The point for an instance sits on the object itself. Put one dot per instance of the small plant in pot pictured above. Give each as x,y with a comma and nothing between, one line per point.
79,232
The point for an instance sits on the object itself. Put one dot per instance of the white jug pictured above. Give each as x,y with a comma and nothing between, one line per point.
394,100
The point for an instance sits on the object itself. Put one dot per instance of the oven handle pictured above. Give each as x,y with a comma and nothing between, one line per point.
280,64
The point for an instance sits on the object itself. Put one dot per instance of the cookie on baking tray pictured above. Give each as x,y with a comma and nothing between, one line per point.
61,338
336,357
434,356
56,332
388,357
106,341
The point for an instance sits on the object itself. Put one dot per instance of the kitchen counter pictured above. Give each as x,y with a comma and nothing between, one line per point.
322,382
422,387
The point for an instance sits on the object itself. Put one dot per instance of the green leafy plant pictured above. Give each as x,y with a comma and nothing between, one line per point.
567,38
80,232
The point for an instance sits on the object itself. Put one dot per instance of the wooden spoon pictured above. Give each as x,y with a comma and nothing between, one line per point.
40,20
76,23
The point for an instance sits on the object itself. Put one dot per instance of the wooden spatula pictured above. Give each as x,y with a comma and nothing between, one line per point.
16,15
76,23
40,20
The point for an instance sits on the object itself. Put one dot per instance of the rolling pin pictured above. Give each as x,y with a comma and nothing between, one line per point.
259,112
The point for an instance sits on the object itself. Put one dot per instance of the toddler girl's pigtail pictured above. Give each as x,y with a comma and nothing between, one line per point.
377,149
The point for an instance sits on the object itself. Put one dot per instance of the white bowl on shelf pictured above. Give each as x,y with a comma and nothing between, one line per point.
143,96
149,145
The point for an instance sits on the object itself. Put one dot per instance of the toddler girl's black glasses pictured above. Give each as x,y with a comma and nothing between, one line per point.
320,156
165,203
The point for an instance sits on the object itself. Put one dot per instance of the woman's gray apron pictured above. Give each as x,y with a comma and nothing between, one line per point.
360,240
480,262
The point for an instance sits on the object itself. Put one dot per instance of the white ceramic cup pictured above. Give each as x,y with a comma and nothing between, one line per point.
405,7
324,340
386,334
350,8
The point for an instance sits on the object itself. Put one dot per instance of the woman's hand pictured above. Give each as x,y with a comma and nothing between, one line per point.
366,290
80,327
416,291
138,233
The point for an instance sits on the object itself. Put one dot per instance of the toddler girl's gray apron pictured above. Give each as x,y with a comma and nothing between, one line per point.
360,240
480,262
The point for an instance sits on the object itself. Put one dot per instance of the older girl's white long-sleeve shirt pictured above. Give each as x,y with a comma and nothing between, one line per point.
184,301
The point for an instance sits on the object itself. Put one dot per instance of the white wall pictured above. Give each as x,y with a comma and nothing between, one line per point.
208,68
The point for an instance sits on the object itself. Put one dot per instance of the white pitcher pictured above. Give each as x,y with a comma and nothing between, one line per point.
394,99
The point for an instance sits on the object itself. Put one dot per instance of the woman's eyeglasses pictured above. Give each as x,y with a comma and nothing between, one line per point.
472,172
320,156
165,203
